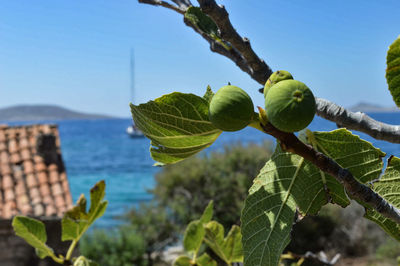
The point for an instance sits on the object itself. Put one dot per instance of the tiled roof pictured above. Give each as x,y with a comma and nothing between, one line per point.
33,181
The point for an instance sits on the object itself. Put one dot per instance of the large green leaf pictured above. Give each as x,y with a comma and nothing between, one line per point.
288,182
269,209
228,248
77,220
34,232
177,125
393,70
360,157
388,186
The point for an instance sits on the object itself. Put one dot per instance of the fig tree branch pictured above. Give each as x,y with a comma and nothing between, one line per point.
357,121
180,8
247,60
289,142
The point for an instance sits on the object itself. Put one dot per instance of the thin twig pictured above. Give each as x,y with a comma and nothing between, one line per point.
260,71
357,121
180,8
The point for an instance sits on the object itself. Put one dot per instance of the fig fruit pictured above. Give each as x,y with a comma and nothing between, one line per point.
290,105
275,78
231,109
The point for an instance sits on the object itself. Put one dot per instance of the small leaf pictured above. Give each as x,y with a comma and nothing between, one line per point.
388,186
209,94
182,261
82,261
205,260
208,213
193,236
233,245
96,196
229,249
33,232
77,220
393,70
215,238
177,125
201,21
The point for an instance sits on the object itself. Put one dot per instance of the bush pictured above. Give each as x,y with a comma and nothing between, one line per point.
121,247
155,226
225,177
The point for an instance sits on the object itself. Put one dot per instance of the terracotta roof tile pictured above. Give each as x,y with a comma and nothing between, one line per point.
31,184
31,181
3,146
44,190
8,182
12,146
20,189
28,167
40,167
42,177
25,154
24,143
16,158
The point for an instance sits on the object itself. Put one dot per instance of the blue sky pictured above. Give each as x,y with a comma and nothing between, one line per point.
76,53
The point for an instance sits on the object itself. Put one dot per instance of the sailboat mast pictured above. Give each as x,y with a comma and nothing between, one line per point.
132,65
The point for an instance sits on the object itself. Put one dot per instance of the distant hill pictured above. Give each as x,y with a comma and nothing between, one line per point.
372,108
43,112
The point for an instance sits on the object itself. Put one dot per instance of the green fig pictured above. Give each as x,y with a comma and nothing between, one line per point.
231,109
290,105
275,78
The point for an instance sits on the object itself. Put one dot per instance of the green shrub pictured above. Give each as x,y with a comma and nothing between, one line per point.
155,227
121,247
388,250
223,176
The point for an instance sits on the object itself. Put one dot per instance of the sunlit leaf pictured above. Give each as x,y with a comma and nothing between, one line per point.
177,125
82,261
193,236
288,183
205,260
360,157
208,213
77,220
228,248
182,261
33,232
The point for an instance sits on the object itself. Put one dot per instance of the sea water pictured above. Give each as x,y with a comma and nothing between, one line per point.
100,149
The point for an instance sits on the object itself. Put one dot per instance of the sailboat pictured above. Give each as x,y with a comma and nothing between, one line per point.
133,131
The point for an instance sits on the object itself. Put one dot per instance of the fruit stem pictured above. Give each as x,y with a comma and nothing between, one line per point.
255,123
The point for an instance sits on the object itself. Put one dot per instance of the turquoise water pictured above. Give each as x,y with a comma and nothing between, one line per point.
100,149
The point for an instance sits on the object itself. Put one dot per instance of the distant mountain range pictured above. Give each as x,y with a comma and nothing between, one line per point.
44,112
372,108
